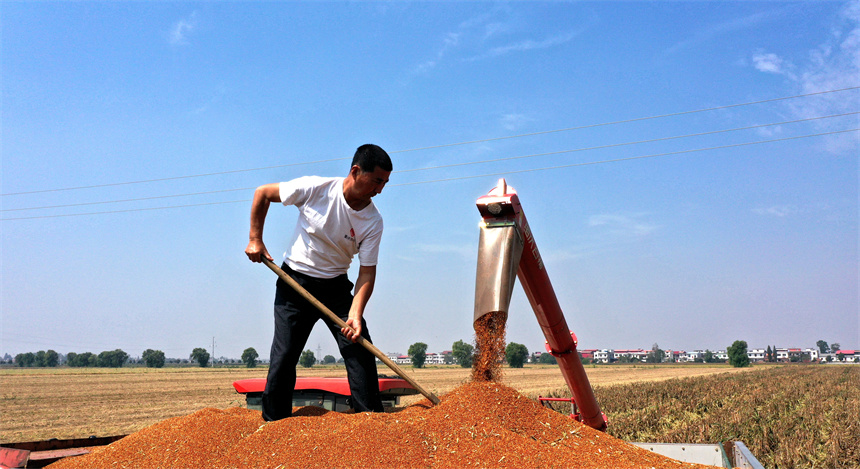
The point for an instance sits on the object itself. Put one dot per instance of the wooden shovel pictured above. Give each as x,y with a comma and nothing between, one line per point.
340,322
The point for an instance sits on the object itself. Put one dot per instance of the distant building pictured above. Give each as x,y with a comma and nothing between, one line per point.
634,354
604,356
848,356
433,358
757,354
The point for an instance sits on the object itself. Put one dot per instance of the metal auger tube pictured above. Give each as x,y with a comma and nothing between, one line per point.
506,246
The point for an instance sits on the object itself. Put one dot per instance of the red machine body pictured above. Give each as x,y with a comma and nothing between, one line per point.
328,393
501,207
333,385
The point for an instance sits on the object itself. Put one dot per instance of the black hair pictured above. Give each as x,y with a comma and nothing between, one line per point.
369,156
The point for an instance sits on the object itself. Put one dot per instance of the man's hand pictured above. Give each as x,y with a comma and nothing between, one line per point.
363,289
353,331
256,250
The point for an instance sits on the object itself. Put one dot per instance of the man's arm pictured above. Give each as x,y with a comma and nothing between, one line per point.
263,196
363,289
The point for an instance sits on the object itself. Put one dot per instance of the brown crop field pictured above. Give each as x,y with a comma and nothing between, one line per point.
796,416
47,403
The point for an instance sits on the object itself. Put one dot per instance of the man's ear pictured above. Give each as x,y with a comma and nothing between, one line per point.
355,170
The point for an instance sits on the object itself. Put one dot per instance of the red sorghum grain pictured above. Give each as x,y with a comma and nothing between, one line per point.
489,346
479,424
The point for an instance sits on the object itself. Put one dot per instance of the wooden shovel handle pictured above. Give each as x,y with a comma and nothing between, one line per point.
340,322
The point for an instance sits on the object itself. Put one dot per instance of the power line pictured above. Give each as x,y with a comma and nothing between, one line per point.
495,160
139,199
734,145
173,178
614,145
627,121
127,210
589,126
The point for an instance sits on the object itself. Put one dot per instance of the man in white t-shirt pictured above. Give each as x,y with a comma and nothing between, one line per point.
337,220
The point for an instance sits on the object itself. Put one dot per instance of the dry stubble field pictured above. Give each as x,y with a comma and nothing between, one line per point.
61,403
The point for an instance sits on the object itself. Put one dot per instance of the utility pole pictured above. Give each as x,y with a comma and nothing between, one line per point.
213,351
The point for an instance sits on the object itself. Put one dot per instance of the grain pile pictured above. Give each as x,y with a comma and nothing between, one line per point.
479,424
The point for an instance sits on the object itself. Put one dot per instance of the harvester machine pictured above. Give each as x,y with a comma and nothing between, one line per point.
507,248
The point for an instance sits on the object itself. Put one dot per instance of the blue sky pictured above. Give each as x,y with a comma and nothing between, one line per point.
134,133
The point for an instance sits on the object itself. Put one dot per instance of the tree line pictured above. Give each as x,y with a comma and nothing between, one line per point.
516,355
116,358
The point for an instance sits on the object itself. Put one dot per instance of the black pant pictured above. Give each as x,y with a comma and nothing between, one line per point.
294,319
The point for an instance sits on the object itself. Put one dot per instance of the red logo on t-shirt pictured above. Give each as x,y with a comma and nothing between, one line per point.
352,232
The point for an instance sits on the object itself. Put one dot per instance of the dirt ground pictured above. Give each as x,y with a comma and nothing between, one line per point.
38,404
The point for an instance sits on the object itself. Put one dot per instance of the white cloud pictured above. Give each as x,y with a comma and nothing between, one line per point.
514,121
769,63
833,65
530,44
180,30
710,32
478,38
780,211
770,131
623,225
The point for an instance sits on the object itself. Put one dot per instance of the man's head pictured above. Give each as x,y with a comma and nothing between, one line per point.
369,156
368,175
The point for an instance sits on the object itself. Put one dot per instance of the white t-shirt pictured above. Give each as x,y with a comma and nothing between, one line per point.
329,233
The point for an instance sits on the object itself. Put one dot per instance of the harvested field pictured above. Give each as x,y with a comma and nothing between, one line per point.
38,404
465,430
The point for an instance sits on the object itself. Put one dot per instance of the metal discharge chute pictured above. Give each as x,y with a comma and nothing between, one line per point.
507,246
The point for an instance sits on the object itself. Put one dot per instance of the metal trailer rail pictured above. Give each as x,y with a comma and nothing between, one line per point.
731,454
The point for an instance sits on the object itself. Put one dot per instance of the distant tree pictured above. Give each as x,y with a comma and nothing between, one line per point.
249,357
737,353
40,359
329,360
418,353
201,356
547,359
655,355
307,359
463,353
153,358
25,359
112,358
80,360
822,346
52,358
835,347
516,354
708,356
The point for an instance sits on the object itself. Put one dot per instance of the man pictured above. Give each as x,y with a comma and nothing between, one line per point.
337,219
